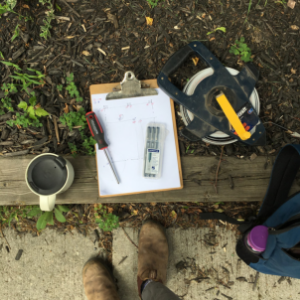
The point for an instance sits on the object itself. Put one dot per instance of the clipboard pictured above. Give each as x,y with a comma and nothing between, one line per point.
130,87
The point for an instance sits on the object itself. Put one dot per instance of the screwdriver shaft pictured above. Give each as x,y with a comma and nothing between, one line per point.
110,163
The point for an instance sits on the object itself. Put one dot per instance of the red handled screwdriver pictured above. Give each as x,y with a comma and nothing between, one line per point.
98,135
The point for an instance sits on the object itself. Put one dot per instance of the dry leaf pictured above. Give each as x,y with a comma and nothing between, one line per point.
102,51
66,108
173,214
25,6
293,71
294,27
86,53
110,210
195,60
149,21
135,212
77,107
70,36
125,48
113,19
291,4
153,203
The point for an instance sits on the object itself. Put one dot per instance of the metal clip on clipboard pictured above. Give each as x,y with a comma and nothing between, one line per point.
130,87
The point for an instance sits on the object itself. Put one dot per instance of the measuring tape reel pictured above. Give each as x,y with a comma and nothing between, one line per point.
219,103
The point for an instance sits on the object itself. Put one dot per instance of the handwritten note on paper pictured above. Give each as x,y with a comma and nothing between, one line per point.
124,123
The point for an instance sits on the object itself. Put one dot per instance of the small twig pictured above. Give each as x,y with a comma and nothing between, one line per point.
130,240
218,168
56,129
123,259
73,10
4,238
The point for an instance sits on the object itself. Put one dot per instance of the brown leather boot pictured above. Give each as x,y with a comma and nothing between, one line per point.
153,254
98,282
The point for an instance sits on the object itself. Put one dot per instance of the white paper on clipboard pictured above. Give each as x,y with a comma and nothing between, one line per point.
124,122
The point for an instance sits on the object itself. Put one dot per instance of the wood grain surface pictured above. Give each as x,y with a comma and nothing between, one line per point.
249,180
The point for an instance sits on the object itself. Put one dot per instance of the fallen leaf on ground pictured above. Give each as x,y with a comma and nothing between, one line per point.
291,4
86,53
293,71
294,27
66,108
113,19
173,214
149,21
195,60
77,107
25,6
110,210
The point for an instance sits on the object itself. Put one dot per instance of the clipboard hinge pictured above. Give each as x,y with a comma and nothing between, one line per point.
131,87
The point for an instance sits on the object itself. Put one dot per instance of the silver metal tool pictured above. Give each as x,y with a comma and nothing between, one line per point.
111,165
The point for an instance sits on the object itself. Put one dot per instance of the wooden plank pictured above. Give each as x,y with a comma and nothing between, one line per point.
250,180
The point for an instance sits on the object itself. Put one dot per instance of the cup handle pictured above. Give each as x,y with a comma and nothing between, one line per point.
47,203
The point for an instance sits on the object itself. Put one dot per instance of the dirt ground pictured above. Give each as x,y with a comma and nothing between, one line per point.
99,40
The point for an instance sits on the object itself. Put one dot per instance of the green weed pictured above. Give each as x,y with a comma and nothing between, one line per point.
72,88
73,149
10,213
59,87
89,145
153,3
106,221
74,118
281,2
241,48
32,113
16,33
8,7
28,80
48,216
24,121
223,29
6,101
45,30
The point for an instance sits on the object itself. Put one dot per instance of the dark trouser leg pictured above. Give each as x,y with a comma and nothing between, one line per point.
158,291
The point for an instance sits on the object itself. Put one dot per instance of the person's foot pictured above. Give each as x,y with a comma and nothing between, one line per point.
98,282
153,254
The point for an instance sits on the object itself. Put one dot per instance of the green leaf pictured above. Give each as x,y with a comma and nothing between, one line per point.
43,220
32,101
31,112
59,87
16,33
59,216
22,105
9,64
242,39
41,112
221,29
63,208
34,212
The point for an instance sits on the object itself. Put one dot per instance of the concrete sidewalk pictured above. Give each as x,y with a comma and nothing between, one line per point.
202,265
199,270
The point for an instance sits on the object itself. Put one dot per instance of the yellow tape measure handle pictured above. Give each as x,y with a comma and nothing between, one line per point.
233,117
